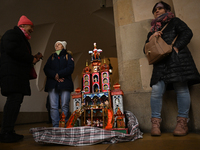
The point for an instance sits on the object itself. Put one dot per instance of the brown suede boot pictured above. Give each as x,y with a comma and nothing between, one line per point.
181,127
155,130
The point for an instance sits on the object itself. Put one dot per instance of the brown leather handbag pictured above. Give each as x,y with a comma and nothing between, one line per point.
157,49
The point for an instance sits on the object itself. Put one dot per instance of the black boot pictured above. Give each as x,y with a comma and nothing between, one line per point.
10,137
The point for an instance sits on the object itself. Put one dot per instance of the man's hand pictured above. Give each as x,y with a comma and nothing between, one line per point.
35,60
37,57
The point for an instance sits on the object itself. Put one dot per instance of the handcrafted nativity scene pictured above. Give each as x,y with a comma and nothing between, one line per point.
98,112
96,105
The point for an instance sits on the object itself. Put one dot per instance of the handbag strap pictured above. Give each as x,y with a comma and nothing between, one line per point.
174,38
164,27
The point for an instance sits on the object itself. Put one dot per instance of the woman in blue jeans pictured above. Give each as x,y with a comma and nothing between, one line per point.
177,71
59,85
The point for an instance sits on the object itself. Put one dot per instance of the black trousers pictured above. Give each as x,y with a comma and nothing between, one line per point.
11,111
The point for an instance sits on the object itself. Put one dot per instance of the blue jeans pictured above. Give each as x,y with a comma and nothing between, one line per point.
183,99
54,96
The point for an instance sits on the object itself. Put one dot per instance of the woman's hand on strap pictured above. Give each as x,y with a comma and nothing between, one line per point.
156,34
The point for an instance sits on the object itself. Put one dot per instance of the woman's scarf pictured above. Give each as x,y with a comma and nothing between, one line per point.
58,52
156,23
28,37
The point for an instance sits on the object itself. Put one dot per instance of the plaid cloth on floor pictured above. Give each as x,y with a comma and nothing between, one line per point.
86,135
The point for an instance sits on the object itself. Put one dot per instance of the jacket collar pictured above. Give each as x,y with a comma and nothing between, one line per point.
63,52
22,34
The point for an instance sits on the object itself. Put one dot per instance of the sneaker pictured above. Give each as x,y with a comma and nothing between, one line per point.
10,137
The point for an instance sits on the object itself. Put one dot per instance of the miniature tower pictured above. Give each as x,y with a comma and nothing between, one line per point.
117,100
105,83
86,79
77,99
96,63
96,105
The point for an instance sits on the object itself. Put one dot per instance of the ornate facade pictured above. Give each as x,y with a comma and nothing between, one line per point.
96,105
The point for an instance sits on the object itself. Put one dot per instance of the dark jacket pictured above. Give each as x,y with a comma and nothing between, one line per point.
176,67
64,67
16,61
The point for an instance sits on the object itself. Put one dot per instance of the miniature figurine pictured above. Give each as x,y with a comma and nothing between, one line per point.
97,122
94,123
95,101
101,105
86,89
95,79
86,77
86,83
120,119
105,87
88,122
105,80
96,88
77,105
104,75
117,102
107,103
62,120
101,123
95,54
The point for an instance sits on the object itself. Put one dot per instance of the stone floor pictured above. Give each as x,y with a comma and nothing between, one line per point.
165,142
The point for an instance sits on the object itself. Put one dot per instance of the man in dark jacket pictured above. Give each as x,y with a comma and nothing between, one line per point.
16,63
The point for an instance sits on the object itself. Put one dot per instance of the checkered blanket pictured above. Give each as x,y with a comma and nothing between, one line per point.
86,135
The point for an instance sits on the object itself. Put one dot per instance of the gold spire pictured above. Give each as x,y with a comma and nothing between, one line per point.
86,63
104,61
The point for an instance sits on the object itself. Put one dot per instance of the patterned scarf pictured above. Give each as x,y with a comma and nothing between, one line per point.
156,23
28,37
